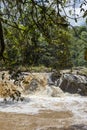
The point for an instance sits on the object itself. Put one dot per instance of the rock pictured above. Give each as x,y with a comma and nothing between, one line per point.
76,127
74,84
53,91
55,76
70,87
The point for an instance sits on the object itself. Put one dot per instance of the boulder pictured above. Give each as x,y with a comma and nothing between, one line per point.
73,84
55,75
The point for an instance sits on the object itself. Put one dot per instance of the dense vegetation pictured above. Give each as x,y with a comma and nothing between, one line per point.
78,46
34,34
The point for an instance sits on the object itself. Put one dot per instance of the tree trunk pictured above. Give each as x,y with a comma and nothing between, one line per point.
2,44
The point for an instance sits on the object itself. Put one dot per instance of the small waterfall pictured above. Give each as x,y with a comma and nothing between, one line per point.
51,84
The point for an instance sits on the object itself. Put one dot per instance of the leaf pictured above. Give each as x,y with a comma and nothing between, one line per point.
22,27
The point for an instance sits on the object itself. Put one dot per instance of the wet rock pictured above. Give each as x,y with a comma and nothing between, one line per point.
55,76
73,84
70,87
76,127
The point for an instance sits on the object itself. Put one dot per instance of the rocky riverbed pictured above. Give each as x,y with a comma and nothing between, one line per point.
46,105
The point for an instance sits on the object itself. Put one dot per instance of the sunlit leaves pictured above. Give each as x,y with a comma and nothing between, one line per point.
23,28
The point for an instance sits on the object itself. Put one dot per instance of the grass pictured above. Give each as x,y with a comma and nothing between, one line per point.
27,68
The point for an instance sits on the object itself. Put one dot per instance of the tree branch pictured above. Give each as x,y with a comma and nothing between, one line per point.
2,43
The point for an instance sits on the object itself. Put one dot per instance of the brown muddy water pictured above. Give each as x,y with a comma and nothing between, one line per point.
45,120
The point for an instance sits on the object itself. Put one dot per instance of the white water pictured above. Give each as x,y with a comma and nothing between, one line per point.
77,105
42,100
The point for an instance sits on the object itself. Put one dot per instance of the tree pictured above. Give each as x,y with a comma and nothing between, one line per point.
2,44
32,17
78,46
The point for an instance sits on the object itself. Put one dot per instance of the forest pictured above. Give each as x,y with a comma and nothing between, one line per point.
38,33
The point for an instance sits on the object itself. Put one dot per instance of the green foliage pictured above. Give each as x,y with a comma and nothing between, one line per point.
36,34
78,46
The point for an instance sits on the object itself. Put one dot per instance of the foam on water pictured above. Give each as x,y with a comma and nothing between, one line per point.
33,104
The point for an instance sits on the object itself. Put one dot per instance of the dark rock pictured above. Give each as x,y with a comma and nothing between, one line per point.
55,75
74,84
76,127
50,82
70,87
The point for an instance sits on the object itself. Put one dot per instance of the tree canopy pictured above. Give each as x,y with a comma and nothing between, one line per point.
30,25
